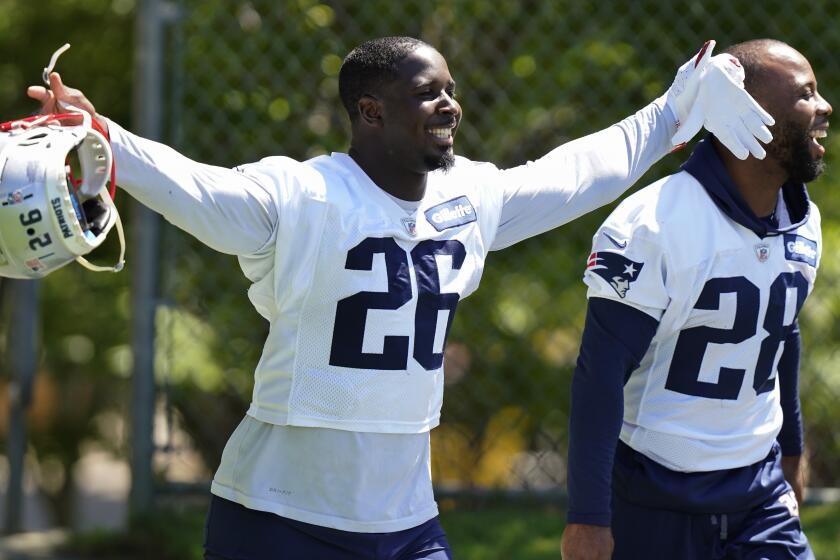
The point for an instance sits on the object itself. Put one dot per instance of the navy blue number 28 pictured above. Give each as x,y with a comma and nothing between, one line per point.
683,376
351,312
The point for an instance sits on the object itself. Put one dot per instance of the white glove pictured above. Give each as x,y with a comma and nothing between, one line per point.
709,91
683,92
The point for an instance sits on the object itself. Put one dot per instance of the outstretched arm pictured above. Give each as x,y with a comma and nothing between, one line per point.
587,173
582,175
223,208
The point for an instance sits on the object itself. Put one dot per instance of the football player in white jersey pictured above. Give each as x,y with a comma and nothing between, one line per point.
690,354
358,262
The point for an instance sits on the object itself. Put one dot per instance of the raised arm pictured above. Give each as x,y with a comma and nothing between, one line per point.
583,174
587,173
223,208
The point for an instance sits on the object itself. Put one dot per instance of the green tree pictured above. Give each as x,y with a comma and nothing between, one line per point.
81,380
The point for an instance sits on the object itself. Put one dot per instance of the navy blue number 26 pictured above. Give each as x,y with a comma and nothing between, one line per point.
351,312
683,376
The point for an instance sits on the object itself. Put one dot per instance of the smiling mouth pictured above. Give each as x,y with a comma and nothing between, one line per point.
819,133
444,133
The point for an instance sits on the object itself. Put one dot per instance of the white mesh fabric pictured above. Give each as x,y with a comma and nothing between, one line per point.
679,408
298,381
360,396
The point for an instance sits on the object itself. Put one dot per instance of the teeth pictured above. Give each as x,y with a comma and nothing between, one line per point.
441,132
819,133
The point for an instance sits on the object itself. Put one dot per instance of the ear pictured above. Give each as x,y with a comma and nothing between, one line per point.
370,110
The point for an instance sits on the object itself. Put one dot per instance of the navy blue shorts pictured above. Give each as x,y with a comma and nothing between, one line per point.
662,514
234,532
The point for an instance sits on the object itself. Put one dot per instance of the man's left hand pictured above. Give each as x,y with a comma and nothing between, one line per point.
795,475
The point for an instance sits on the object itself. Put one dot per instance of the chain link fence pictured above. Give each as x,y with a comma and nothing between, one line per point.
251,79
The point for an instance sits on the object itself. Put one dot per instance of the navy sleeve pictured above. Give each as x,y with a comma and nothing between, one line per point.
615,338
790,437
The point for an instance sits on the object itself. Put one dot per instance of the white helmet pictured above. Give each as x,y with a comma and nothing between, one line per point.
48,217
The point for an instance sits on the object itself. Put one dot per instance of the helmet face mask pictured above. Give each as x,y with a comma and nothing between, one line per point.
48,218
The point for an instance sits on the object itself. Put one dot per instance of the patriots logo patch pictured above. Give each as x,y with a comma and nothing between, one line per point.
616,269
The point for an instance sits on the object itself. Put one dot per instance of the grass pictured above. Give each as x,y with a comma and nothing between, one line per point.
504,533
822,526
497,533
166,535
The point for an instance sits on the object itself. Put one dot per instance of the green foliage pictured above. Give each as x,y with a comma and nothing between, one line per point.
251,79
260,79
85,362
503,533
100,60
263,82
169,534
822,526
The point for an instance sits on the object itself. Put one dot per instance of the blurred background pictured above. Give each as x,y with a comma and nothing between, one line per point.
118,391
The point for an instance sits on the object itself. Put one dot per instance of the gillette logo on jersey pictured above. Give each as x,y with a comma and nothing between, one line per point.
453,213
616,269
801,249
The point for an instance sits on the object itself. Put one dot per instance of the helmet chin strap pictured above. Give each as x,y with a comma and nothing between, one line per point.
45,75
120,263
87,122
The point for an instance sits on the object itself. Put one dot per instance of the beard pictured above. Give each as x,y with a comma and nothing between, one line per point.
791,147
444,162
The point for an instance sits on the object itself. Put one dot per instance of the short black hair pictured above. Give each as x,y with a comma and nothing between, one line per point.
752,56
369,66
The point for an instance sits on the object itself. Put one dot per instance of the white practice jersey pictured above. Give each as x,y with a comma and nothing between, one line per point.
362,293
705,396
359,294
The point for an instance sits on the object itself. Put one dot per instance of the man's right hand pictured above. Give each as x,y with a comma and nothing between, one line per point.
708,91
586,542
58,97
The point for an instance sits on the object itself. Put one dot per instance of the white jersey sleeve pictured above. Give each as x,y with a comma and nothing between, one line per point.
360,293
615,264
582,175
226,209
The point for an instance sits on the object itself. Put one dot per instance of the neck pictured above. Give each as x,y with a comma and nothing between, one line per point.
389,175
758,181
